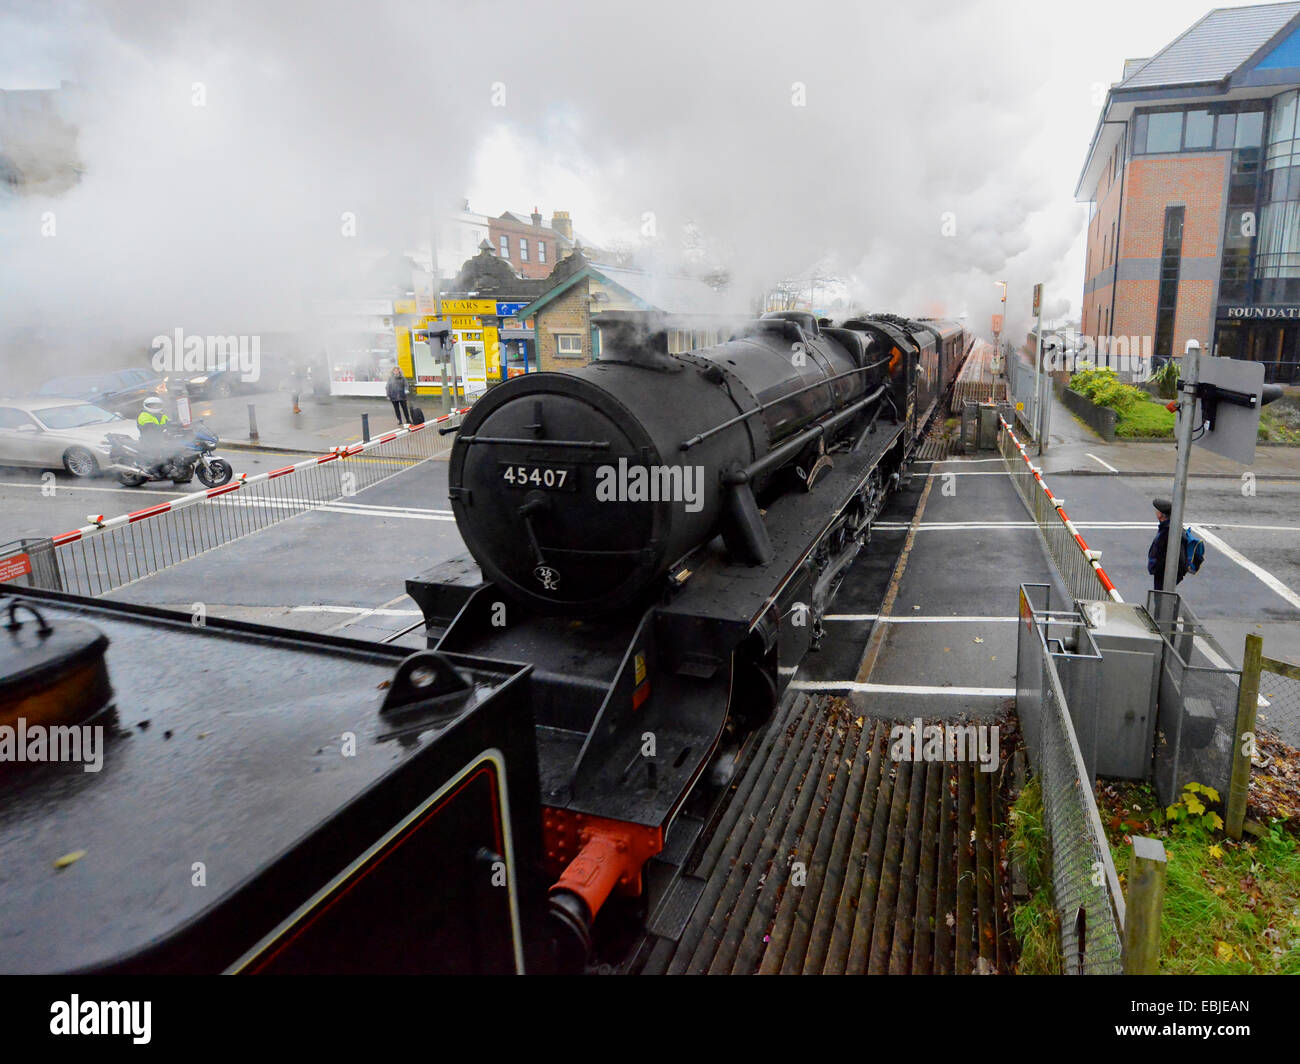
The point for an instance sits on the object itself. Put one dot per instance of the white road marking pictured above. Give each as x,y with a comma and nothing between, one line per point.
339,507
901,689
916,620
383,609
60,488
1100,462
355,609
1265,577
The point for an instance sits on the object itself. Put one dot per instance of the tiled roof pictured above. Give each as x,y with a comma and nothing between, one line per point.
1214,47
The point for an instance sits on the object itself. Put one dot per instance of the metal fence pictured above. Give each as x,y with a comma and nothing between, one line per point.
1022,393
110,553
1054,652
30,563
1079,566
1279,691
1197,708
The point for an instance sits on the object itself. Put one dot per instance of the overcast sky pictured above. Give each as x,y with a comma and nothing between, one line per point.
923,149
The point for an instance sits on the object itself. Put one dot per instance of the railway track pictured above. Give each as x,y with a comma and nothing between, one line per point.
832,858
977,383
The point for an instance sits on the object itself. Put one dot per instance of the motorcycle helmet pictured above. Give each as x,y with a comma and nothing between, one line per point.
154,405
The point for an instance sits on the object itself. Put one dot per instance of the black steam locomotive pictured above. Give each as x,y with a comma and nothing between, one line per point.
655,539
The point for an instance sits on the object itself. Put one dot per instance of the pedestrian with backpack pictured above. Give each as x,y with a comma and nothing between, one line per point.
398,392
1191,549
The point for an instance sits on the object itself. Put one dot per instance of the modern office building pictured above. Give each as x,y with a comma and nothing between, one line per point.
1193,184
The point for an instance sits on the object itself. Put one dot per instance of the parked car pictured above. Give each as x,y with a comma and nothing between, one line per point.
217,384
114,390
54,433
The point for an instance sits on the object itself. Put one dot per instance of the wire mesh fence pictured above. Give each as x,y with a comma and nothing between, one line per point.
1085,887
1079,567
30,563
1279,692
1022,392
110,554
1197,707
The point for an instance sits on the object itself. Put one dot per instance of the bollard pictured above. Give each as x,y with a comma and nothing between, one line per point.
365,428
1143,906
1244,742
252,422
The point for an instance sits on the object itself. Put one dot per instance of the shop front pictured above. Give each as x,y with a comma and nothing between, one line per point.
479,355
1267,334
358,345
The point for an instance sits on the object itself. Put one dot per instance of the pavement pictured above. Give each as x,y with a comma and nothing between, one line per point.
1074,447
322,423
940,641
341,568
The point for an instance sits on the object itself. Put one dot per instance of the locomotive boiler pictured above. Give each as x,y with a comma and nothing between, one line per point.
576,492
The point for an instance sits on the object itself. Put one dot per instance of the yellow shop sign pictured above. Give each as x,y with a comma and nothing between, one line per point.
469,306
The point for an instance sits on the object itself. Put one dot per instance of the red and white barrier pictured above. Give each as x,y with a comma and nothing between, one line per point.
100,524
1092,557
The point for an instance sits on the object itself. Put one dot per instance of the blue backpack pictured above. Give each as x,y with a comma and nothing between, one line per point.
1194,551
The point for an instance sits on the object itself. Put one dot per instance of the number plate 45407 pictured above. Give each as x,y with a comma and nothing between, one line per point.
546,477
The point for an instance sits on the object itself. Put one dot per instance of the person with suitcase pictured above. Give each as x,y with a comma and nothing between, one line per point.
398,392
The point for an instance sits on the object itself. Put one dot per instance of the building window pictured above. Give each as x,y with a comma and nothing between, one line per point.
1277,261
1198,130
568,345
505,246
1170,263
523,249
1114,254
1219,128
1244,135
541,251
1164,132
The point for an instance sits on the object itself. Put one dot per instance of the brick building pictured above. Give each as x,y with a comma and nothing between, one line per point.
1193,186
567,317
531,248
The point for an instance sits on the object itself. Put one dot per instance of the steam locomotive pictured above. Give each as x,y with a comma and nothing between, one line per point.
653,541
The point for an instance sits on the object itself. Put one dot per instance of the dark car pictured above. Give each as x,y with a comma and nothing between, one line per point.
216,384
118,390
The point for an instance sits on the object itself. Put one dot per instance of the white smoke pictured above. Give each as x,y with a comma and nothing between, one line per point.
922,150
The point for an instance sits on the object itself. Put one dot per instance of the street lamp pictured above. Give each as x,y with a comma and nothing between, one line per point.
997,336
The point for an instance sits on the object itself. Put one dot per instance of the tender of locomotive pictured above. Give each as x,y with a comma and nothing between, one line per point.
654,541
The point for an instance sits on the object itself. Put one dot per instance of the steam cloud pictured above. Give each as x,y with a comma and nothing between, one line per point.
227,217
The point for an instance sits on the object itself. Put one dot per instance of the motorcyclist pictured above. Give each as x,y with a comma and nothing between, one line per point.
150,422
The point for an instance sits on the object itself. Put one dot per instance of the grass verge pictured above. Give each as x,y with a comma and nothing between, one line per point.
1231,908
1034,922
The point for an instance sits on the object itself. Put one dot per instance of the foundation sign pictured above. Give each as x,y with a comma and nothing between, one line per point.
1261,313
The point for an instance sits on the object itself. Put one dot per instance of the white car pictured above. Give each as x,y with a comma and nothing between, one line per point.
58,433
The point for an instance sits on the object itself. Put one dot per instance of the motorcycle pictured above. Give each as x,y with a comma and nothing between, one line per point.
191,456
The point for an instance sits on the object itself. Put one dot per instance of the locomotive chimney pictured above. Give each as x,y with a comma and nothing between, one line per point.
635,337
